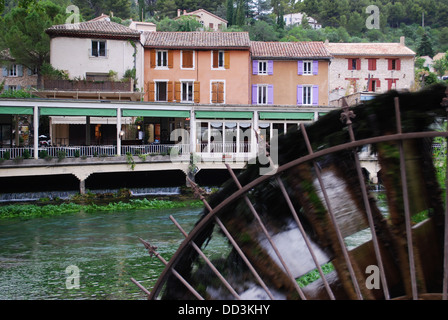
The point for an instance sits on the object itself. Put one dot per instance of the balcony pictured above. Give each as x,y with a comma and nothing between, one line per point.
84,89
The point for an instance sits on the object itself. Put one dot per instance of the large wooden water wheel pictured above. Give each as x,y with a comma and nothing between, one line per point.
298,215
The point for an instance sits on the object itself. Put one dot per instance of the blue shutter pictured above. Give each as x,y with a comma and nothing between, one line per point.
19,70
254,93
315,95
315,67
255,67
5,71
270,67
299,95
270,94
300,67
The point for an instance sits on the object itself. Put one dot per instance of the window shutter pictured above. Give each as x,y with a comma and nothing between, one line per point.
358,64
378,83
19,70
177,91
254,93
315,95
187,59
19,87
255,67
220,92
389,64
299,94
215,57
270,94
5,71
170,59
214,92
270,67
197,92
152,58
300,67
151,91
398,64
315,67
5,87
170,85
350,64
226,60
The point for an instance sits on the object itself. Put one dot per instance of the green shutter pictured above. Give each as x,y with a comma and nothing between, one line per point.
156,113
94,112
223,115
286,115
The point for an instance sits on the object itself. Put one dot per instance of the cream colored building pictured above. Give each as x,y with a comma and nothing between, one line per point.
91,50
370,67
207,19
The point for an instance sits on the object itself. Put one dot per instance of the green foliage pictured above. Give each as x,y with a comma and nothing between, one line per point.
49,72
16,94
184,23
28,211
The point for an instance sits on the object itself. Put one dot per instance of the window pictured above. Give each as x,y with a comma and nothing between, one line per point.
307,67
307,95
262,94
187,57
372,64
354,64
187,91
220,59
217,92
161,90
162,58
262,67
98,48
394,64
12,72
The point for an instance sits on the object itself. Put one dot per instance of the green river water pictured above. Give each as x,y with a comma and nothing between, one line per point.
35,253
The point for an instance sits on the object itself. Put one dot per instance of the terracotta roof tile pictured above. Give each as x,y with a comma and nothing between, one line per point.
102,28
369,49
197,40
289,50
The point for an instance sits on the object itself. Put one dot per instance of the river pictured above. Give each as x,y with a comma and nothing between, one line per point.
35,253
102,247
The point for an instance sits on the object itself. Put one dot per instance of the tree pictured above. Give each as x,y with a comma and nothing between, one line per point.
23,33
229,14
240,16
425,46
441,66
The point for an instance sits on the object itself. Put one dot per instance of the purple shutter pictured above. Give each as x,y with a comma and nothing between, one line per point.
270,94
315,95
255,67
299,95
315,67
254,93
300,67
270,67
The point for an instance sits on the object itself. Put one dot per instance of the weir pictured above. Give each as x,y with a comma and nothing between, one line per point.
301,215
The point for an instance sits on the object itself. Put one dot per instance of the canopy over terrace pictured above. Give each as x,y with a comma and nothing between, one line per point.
116,111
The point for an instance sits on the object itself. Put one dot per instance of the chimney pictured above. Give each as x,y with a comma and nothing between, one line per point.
402,40
178,12
185,12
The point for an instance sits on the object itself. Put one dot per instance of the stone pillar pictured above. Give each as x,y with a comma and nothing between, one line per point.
82,177
36,131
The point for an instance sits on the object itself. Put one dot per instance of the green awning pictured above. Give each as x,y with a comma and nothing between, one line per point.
16,110
156,113
224,115
94,112
286,115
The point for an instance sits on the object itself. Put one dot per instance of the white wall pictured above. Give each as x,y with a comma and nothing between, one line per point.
73,56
